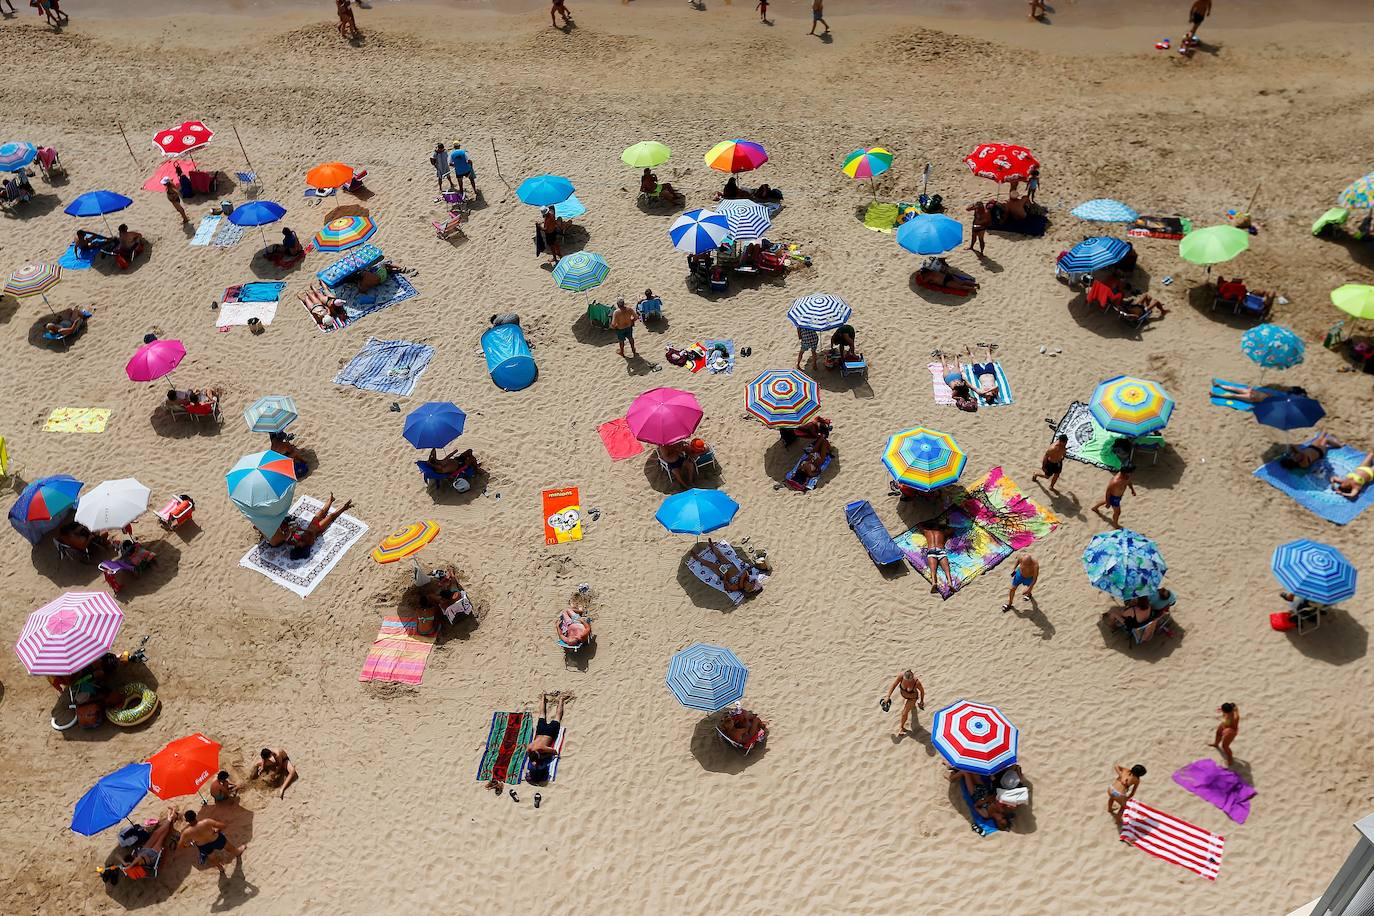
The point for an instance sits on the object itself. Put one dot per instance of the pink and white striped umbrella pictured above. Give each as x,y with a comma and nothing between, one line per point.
66,635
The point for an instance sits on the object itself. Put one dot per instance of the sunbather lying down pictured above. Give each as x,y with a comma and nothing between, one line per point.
301,539
322,305
69,322
742,578
1252,395
1142,308
742,726
1352,485
1301,457
574,624
937,272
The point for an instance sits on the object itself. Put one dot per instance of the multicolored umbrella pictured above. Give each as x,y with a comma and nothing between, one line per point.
782,397
183,138
867,163
1213,244
42,504
111,799
1356,299
1123,563
1131,406
1315,571
736,156
925,459
345,232
34,280
155,359
1273,346
646,154
329,175
400,544
544,190
930,234
696,511
97,203
1105,210
67,634
706,677
262,485
1001,162
17,155
271,414
1289,413
183,766
747,219
661,416
112,504
975,737
698,231
434,425
819,312
1097,253
581,271
1360,194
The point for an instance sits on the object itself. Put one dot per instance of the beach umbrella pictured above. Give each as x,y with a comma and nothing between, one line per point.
698,231
257,213
1356,299
663,415
736,156
1272,346
1213,244
1360,194
270,414
975,737
1105,210
112,504
155,359
1315,571
1288,413
184,137
782,397
1131,406
819,312
581,271
67,634
706,677
1336,216
925,459
646,154
867,163
544,190
747,219
329,175
97,203
16,155
1094,254
434,425
262,486
696,511
400,544
1001,162
183,766
930,234
1124,563
42,504
111,799
34,280
344,232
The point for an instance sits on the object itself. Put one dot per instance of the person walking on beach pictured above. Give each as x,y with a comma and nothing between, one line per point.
207,835
175,197
1052,465
1122,789
763,11
1023,574
1199,11
348,26
913,697
439,159
1226,731
12,12
1033,183
462,167
1116,488
623,323
818,15
558,9
807,340
978,232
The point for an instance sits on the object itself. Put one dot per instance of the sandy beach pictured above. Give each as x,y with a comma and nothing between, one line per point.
651,812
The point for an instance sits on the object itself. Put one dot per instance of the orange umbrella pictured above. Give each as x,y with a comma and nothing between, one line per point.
329,175
183,766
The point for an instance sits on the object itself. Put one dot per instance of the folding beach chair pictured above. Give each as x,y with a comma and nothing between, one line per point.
748,746
178,511
1147,631
248,181
650,308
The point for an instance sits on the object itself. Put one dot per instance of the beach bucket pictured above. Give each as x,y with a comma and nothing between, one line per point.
226,207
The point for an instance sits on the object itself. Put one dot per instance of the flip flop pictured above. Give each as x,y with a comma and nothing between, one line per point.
514,797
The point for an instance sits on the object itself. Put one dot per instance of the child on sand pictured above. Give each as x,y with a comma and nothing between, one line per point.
1116,488
1023,574
1123,788
1052,465
1226,731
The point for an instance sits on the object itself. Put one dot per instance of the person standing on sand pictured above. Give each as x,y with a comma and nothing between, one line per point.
1226,731
623,323
207,834
1052,465
1025,573
1199,11
1037,9
1122,789
175,197
913,696
763,11
1116,488
13,11
348,26
558,9
978,233
439,159
818,15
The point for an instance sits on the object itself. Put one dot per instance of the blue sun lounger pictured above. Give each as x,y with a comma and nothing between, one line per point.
882,550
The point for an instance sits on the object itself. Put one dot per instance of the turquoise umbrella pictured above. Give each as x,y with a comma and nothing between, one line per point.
1124,564
270,414
263,485
581,271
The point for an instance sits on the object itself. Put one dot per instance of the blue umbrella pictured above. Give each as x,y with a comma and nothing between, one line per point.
111,799
698,231
263,486
544,190
271,414
1094,254
257,213
747,219
1105,210
1315,571
97,203
930,233
1289,413
696,511
1272,346
706,677
1124,563
819,312
581,271
434,425
15,156
43,505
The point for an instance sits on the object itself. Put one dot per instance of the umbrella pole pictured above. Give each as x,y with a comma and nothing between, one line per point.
107,224
262,232
245,155
128,144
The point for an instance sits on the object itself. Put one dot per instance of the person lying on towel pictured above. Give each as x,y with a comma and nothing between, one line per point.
734,578
323,306
574,626
937,272
462,464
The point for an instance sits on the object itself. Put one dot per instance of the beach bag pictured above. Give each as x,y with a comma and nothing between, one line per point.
1014,797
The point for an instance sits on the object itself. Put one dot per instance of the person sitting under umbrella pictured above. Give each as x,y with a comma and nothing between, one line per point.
282,444
129,247
742,727
1133,613
185,397
937,272
1352,484
17,191
649,184
454,464
140,861
818,427
289,249
682,465
78,538
734,578
1140,309
842,340
984,796
69,322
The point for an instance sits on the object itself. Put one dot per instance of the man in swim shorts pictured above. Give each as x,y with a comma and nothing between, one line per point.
1199,11
623,323
275,766
1116,488
818,15
207,835
543,749
1052,465
1024,574
1123,788
936,556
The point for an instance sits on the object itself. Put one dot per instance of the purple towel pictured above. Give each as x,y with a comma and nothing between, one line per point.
1218,785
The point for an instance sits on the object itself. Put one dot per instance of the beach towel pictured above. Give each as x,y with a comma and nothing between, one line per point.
503,759
562,515
77,420
388,366
553,764
1033,225
1166,837
167,169
320,192
1213,783
971,375
304,576
227,234
237,313
1088,441
619,441
711,576
937,380
881,217
1175,227
1222,399
791,482
206,230
717,363
981,825
257,291
390,291
71,260
1311,487
398,654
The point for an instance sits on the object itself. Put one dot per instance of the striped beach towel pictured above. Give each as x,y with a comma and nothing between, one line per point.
972,373
388,366
1166,837
207,228
503,759
398,654
937,380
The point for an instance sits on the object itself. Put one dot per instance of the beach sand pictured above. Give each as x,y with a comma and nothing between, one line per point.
650,813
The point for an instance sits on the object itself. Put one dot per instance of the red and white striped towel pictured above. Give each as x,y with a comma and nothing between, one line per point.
1166,837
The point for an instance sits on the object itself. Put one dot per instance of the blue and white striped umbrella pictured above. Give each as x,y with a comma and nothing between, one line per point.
698,231
16,155
706,677
1272,346
1105,210
581,271
748,220
819,312
1094,254
1315,571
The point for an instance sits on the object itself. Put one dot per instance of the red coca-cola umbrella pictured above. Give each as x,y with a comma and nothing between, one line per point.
1001,162
183,138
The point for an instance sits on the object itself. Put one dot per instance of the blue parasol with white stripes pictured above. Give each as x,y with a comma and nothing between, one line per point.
1105,210
706,677
819,312
747,220
1094,254
698,231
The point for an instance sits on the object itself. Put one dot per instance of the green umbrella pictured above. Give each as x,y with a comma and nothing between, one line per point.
646,154
1354,298
1336,216
1213,244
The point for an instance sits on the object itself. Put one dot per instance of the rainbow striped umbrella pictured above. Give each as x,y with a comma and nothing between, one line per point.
33,280
867,163
345,232
16,155
400,544
925,459
1360,194
67,634
782,397
736,156
1131,406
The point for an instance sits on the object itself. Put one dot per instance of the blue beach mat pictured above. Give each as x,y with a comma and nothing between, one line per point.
1222,399
386,294
981,825
1311,487
70,260
388,366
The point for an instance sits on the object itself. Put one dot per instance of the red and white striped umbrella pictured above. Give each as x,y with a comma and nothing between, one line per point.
975,737
183,138
66,635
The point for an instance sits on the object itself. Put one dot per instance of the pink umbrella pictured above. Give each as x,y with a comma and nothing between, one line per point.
155,359
68,634
663,415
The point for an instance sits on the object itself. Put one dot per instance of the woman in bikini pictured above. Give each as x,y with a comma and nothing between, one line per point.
1122,789
1352,484
1226,731
303,539
913,696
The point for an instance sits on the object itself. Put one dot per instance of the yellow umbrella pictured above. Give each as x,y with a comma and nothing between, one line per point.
400,544
1355,299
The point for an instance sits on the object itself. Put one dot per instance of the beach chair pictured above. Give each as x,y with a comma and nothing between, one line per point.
207,410
865,524
1255,305
50,164
1229,293
854,365
133,560
599,314
248,180
67,552
460,481
1152,444
650,308
706,461
574,647
180,510
791,482
1147,631
449,227
748,746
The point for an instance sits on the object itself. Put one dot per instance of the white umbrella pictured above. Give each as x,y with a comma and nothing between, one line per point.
112,504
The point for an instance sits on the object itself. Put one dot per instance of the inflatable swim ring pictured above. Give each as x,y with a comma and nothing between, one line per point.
140,702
